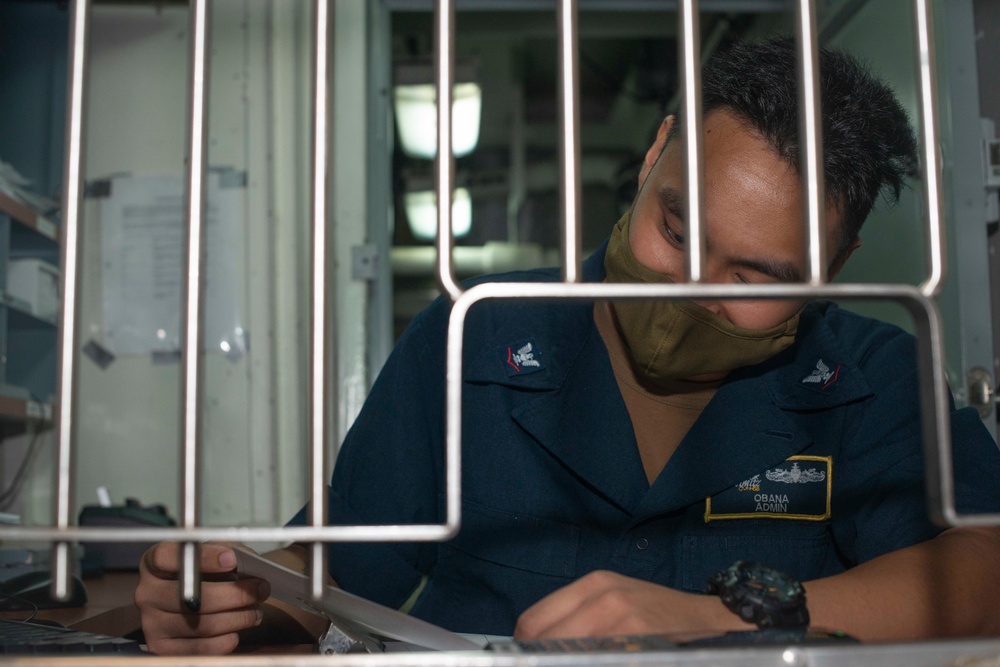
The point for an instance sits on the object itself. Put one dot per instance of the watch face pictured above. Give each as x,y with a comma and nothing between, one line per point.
762,595
771,584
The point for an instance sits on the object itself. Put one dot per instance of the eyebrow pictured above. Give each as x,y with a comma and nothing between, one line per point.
786,272
673,201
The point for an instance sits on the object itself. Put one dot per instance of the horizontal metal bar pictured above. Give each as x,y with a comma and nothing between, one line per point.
727,6
914,654
377,533
636,291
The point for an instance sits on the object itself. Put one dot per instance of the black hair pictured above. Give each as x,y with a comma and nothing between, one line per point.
868,143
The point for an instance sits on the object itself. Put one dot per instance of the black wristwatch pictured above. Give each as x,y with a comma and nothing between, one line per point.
761,595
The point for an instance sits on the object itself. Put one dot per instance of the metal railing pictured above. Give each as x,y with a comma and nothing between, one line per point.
919,301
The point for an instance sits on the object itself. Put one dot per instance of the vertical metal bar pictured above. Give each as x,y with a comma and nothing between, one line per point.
319,373
72,201
690,47
940,475
444,78
569,163
444,57
811,142
190,582
197,149
935,416
379,184
930,166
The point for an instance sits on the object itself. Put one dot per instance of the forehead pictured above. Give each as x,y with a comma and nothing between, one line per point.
732,149
744,179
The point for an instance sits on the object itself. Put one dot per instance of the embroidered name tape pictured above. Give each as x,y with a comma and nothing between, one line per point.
800,488
521,358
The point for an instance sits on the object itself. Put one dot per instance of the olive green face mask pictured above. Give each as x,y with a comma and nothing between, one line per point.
678,339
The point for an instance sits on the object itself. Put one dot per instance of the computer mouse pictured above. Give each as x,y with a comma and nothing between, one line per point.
31,590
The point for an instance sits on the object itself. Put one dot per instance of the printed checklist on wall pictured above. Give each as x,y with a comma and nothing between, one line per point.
143,248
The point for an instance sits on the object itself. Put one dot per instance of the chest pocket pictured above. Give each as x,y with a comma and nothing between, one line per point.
517,541
805,557
498,565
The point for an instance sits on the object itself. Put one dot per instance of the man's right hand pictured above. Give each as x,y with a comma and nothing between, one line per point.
228,605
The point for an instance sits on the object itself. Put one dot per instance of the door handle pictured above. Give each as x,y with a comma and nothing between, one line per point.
981,394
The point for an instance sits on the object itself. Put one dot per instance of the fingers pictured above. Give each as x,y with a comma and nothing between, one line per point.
227,607
158,587
197,634
169,629
165,625
210,646
599,603
551,614
216,596
163,560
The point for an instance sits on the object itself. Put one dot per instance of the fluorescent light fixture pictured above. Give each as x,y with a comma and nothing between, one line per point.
416,117
421,213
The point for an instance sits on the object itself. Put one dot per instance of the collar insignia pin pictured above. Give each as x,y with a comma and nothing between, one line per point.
521,358
822,375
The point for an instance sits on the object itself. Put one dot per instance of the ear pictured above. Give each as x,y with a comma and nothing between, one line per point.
653,154
838,263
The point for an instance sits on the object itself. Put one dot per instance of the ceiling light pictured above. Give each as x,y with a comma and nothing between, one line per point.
421,213
415,105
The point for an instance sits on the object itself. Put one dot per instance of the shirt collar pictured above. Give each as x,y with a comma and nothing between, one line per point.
816,372
557,334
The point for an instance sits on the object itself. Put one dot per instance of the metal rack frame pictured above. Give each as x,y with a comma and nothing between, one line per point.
919,301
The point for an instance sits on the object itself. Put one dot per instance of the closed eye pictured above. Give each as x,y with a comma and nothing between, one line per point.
674,237
672,205
776,270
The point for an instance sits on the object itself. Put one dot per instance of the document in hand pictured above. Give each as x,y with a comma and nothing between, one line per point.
340,607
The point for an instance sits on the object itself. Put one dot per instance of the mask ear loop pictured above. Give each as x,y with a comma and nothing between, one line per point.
643,273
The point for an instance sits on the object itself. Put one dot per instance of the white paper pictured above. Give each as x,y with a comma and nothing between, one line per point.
339,605
143,262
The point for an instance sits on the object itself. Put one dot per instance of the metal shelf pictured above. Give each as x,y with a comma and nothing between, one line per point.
15,403
29,218
27,340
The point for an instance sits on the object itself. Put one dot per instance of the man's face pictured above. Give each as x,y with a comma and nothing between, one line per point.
752,218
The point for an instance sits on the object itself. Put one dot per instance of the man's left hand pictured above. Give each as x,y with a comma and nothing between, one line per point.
606,603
